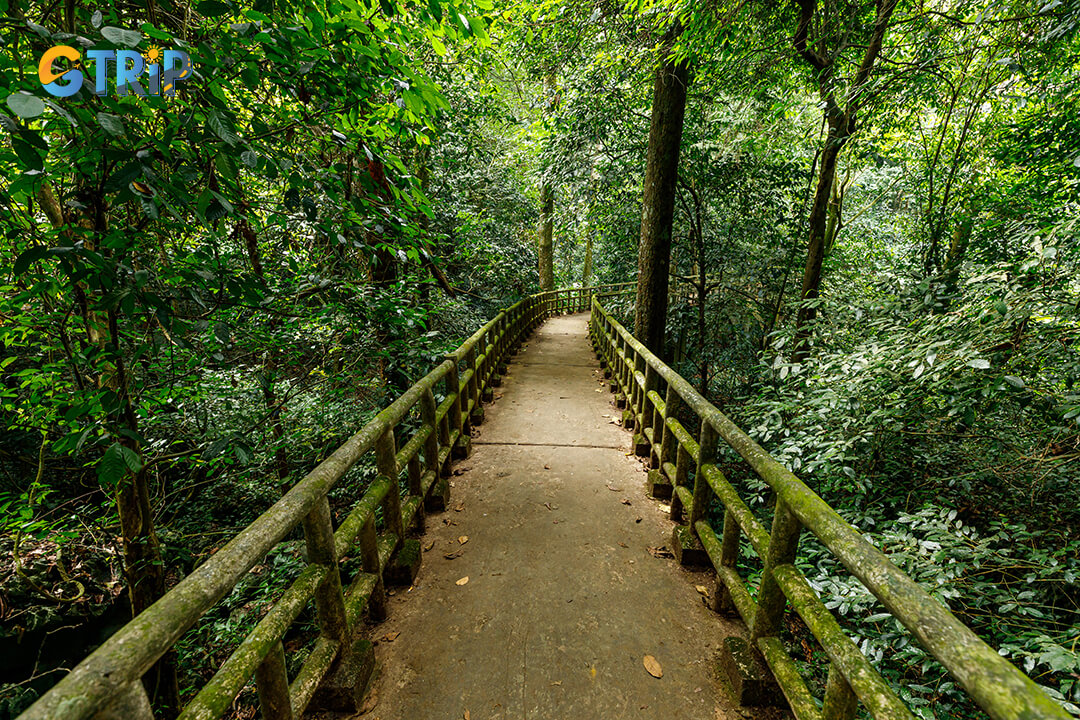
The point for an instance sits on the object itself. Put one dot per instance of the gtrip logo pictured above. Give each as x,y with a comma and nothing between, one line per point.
163,70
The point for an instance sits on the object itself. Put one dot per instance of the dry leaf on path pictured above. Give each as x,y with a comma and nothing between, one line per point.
463,539
653,666
466,715
390,636
428,545
455,554
459,507
661,552
463,580
556,683
613,489
622,544
702,589
626,501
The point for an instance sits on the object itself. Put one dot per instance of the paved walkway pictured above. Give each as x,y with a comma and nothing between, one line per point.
563,598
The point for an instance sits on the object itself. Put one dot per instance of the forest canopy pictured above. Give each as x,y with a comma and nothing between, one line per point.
854,228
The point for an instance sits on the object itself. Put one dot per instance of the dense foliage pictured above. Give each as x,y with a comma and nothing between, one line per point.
201,295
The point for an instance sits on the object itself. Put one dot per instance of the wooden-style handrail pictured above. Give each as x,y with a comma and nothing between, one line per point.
108,681
999,688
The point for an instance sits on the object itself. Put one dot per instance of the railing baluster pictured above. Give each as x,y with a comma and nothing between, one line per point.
435,437
272,682
131,703
386,462
840,702
783,541
329,601
369,556
669,445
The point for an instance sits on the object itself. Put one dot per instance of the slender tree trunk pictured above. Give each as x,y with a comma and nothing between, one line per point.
547,203
840,114
546,252
586,270
658,200
816,244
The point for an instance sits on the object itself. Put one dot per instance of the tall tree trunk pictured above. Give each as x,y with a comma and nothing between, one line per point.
546,252
586,270
840,113
816,244
658,199
547,202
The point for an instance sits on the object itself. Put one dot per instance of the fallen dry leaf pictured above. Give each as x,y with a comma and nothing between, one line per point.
459,507
390,636
463,539
455,554
626,501
448,521
653,666
463,580
661,552
556,683
466,715
613,489
428,545
547,467
622,544
702,590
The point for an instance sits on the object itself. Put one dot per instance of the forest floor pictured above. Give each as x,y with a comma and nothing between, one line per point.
564,598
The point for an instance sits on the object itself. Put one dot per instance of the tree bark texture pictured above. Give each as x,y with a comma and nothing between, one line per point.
658,202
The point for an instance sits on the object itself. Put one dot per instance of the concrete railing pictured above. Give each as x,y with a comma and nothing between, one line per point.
412,476
655,398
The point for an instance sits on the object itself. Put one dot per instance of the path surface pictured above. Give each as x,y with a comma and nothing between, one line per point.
563,599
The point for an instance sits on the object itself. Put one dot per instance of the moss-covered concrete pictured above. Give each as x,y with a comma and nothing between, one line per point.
750,681
688,550
657,485
405,565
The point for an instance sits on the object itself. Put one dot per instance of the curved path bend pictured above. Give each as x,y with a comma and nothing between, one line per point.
563,598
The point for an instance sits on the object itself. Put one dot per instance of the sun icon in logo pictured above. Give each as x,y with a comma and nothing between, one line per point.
153,54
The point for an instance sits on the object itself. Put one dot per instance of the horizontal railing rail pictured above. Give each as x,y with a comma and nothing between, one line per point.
108,682
656,397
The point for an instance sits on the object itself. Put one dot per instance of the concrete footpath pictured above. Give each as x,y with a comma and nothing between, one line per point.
550,523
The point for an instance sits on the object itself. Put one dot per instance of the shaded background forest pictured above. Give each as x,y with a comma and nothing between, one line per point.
201,296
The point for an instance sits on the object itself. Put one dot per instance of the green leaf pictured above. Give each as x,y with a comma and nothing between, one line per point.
29,257
212,8
436,9
29,156
217,122
25,105
111,124
112,468
979,363
120,36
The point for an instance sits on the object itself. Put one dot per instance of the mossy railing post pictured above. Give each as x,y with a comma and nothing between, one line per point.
272,683
646,433
436,438
369,557
132,703
667,448
783,542
456,413
329,600
386,463
840,702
